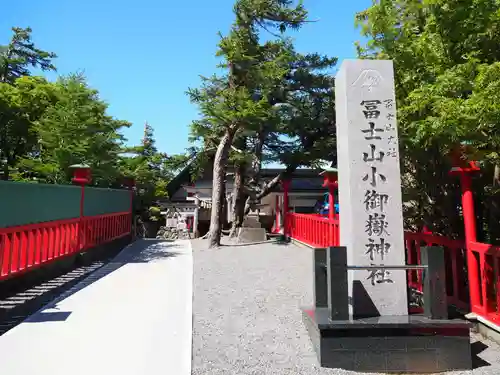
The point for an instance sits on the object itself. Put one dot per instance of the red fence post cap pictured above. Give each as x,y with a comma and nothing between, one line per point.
459,155
81,174
330,177
470,167
129,182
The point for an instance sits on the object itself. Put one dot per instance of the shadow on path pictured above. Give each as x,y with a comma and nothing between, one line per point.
477,348
141,251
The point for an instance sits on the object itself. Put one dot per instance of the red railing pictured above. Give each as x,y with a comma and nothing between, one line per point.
455,263
317,231
312,229
484,276
105,228
25,247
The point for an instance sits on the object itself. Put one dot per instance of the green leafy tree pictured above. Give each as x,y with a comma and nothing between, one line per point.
304,127
74,129
22,104
151,169
21,100
298,131
447,81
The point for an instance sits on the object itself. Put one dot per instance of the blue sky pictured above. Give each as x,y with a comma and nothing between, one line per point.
143,55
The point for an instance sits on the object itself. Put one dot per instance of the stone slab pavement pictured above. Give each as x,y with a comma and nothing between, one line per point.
247,319
133,316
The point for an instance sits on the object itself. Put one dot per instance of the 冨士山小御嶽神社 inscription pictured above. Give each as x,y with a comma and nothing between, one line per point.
370,186
360,321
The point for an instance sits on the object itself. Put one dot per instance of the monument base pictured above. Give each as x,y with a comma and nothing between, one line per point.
249,235
398,344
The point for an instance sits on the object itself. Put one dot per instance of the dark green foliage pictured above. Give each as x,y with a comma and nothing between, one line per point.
237,103
45,127
447,87
151,169
74,129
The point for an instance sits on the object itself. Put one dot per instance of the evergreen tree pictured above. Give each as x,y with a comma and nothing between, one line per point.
21,54
229,104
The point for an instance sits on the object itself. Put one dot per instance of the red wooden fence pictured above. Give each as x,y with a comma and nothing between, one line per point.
455,262
313,229
484,278
25,247
42,223
318,231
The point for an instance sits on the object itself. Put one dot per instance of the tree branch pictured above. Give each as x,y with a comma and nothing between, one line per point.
270,185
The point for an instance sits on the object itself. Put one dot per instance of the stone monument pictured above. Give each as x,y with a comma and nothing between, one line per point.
365,324
370,186
251,230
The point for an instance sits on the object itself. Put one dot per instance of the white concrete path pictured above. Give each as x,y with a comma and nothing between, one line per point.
131,317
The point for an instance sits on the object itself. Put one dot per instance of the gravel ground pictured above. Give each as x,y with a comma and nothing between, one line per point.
247,319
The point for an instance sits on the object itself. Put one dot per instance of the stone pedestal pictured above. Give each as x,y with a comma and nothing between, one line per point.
251,221
390,344
249,235
251,230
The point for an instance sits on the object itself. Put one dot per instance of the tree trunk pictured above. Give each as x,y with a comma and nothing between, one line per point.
218,188
223,215
6,173
238,200
257,157
268,187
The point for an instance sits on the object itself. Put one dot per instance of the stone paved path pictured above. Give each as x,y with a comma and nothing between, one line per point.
130,317
246,313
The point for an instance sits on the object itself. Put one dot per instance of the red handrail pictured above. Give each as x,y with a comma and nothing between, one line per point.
25,247
485,296
455,263
315,230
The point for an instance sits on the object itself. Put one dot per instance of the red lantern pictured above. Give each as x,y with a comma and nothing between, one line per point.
81,174
330,177
129,182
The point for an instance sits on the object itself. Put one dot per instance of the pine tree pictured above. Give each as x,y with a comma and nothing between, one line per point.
21,54
229,104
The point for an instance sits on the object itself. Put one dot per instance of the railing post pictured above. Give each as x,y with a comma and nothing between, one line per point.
465,172
468,207
330,180
81,177
286,207
129,182
277,218
196,215
331,213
